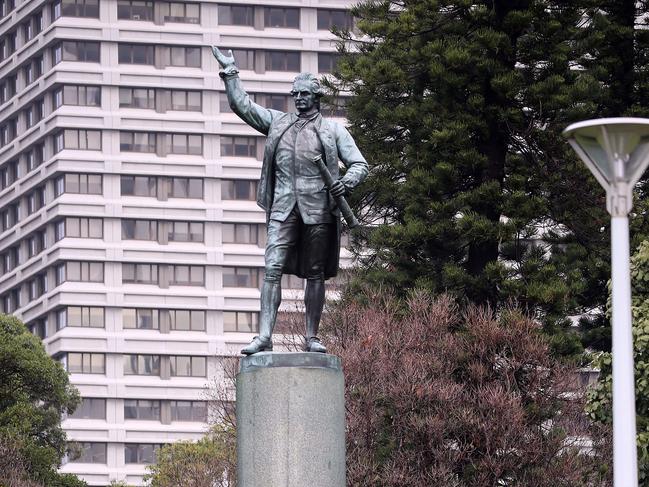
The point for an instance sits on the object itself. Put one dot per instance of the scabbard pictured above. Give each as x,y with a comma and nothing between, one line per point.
341,202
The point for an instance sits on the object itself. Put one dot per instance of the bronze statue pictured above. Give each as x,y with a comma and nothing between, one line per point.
303,219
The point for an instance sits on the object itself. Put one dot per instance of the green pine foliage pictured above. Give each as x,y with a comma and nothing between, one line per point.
616,39
600,396
459,108
34,393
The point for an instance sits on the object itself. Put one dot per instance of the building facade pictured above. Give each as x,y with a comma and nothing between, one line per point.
130,239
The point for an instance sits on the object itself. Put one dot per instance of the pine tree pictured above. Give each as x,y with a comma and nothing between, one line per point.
615,38
459,106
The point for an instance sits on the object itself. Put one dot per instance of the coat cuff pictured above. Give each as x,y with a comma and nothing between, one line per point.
228,72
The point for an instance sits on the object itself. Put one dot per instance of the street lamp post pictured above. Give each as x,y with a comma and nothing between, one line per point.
616,150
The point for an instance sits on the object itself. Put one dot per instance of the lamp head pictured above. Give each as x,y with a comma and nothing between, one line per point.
616,150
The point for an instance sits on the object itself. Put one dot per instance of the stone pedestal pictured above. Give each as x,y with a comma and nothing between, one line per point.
290,421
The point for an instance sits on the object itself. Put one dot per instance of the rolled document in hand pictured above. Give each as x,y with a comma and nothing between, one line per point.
348,215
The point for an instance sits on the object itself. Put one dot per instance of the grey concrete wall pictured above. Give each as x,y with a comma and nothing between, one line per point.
290,421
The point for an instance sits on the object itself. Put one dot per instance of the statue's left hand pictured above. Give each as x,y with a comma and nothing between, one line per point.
338,188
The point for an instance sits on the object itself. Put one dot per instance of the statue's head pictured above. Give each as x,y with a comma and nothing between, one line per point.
306,92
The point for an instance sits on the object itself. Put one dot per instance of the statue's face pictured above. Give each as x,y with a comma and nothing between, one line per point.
304,98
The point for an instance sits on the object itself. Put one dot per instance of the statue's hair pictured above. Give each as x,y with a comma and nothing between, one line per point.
316,89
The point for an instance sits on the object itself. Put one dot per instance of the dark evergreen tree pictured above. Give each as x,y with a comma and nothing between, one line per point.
459,107
615,38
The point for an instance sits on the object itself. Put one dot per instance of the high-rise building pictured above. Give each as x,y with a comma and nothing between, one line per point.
130,239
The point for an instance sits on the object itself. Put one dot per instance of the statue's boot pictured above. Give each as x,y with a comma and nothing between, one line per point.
271,297
314,297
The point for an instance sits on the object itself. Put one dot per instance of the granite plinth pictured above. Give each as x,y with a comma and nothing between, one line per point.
290,421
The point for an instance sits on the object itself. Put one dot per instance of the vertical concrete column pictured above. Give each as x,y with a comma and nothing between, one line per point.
290,421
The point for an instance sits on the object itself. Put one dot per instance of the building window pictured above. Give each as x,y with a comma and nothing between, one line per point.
282,17
283,103
283,61
80,316
7,45
245,58
239,189
10,216
180,12
189,57
35,200
6,6
33,26
160,99
138,364
8,131
138,186
140,318
140,453
78,184
77,139
187,320
236,15
137,98
33,69
136,54
140,273
34,156
74,271
39,328
241,321
327,62
139,230
79,227
137,142
81,51
185,100
141,409
77,95
134,10
91,453
340,19
187,275
34,113
184,366
289,281
189,411
238,146
182,144
244,233
11,300
86,363
186,232
35,243
10,259
242,277
90,408
37,286
8,174
7,88
75,8
186,188
165,55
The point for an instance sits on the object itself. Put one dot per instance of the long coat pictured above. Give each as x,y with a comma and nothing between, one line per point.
338,145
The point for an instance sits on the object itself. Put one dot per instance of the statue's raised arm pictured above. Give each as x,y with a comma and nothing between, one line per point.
254,115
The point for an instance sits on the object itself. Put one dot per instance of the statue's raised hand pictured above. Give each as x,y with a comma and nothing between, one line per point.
224,61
